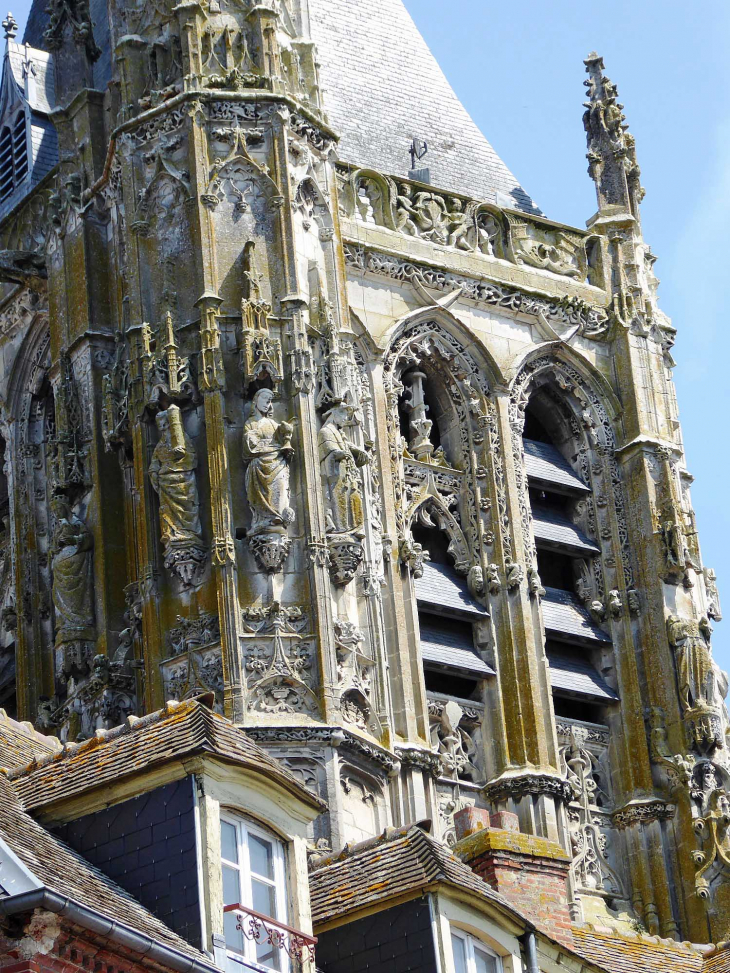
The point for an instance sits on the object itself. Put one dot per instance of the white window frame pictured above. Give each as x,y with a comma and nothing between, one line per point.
244,827
470,943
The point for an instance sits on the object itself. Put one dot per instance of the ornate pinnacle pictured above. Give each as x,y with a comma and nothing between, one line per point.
611,150
10,26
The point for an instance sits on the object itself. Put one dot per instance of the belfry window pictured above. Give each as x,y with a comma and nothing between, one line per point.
578,649
447,616
13,156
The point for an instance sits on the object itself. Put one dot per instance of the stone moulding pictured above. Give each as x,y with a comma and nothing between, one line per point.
519,786
642,812
327,736
571,312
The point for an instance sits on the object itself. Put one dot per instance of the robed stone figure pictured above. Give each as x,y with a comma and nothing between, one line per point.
267,448
340,460
172,474
72,565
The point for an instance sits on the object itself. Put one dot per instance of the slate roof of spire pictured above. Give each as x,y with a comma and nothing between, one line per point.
383,87
180,729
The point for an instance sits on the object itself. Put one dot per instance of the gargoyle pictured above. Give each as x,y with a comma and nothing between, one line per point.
22,267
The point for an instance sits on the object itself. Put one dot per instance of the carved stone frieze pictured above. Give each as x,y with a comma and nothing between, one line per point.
465,225
568,313
642,812
517,786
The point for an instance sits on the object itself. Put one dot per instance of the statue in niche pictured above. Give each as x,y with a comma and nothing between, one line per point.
702,684
267,448
72,564
340,460
172,474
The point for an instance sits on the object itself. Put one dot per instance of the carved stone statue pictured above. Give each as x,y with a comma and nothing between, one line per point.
172,473
267,448
702,684
340,460
73,554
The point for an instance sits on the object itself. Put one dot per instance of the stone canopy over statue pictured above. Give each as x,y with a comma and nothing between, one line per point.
172,474
72,563
268,451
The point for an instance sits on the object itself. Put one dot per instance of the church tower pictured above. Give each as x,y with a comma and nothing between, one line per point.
358,441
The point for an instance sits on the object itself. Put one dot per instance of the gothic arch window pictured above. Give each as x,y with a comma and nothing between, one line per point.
13,155
438,410
562,447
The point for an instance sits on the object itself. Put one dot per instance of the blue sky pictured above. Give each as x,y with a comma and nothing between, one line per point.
518,68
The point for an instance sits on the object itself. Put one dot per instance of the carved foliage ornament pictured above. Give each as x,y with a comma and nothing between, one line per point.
569,312
432,356
279,660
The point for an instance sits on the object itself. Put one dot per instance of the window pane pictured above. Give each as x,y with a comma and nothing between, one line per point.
262,856
229,849
264,898
484,962
234,936
231,892
458,947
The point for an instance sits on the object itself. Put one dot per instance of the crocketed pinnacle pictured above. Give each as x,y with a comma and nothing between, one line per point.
611,149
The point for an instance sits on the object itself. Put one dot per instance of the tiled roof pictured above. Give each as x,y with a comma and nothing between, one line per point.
575,675
62,870
566,618
544,464
443,647
181,729
643,954
441,587
20,743
553,528
398,862
718,962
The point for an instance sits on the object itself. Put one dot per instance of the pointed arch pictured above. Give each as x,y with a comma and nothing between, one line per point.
438,317
527,367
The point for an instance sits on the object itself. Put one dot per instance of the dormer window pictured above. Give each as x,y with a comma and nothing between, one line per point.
472,956
254,878
13,156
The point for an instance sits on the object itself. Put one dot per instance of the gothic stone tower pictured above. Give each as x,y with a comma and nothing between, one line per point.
385,459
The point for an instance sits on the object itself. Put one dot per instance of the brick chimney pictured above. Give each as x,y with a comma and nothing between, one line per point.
530,872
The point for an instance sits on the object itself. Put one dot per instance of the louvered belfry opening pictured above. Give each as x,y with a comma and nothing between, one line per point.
577,647
13,156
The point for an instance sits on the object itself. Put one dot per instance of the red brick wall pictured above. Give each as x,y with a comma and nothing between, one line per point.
73,951
536,886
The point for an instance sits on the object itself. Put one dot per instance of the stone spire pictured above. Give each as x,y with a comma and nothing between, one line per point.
611,149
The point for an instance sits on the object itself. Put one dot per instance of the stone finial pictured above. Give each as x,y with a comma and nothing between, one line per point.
10,26
611,149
